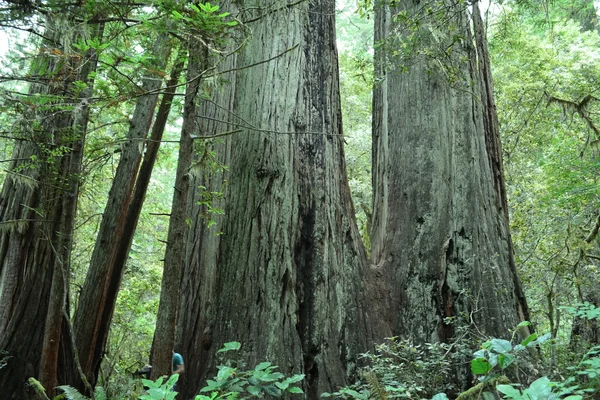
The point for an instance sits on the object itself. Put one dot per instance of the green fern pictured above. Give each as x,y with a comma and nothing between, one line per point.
376,388
71,393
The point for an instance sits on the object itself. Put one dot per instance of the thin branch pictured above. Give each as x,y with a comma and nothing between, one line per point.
594,231
253,65
202,74
274,11
263,130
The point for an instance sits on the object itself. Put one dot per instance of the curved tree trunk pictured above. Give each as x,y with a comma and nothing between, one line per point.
440,229
290,273
99,293
37,208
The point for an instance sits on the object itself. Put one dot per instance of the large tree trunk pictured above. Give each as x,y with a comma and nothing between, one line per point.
290,273
99,293
37,207
164,336
440,229
208,192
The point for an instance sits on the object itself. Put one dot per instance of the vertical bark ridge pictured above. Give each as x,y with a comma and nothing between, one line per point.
164,336
494,145
195,323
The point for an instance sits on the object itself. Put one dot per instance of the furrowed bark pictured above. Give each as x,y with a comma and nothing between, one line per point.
290,272
164,335
440,229
203,241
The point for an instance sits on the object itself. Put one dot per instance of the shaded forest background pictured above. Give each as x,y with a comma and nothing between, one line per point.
545,62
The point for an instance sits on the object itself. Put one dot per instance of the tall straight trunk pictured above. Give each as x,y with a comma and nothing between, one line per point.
37,207
99,293
164,336
208,191
290,273
440,231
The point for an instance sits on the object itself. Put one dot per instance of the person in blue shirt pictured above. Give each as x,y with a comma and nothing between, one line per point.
178,366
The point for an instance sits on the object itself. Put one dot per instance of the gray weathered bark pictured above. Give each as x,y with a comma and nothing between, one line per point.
440,227
290,270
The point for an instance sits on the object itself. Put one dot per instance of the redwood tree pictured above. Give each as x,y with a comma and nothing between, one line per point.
164,336
99,293
289,271
38,204
440,231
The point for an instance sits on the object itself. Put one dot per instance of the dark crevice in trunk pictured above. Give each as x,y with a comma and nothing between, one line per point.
305,291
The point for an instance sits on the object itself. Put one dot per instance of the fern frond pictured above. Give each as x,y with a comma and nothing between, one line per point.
72,393
375,387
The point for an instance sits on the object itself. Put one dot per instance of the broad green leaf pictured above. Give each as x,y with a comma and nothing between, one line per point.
504,360
523,324
540,389
440,396
253,390
540,340
529,339
518,347
262,366
151,384
225,373
275,376
479,354
282,385
294,378
230,346
493,359
500,346
480,366
172,380
509,391
295,389
272,390
352,393
210,386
